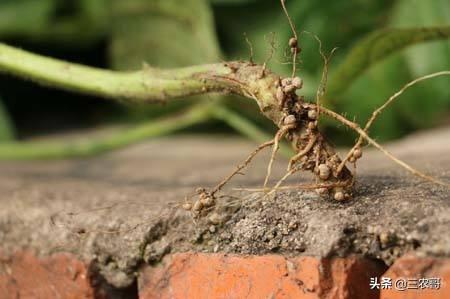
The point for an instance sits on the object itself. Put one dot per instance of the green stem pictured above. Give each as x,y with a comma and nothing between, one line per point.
144,85
57,150
149,84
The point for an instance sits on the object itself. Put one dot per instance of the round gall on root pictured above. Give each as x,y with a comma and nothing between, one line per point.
312,114
297,82
215,218
207,201
198,206
187,206
289,120
286,81
324,171
293,42
339,196
357,153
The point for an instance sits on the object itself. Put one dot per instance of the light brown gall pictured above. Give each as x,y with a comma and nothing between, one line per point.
324,171
339,196
312,114
357,153
289,120
293,42
297,82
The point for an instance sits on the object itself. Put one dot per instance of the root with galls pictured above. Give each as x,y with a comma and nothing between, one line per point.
297,121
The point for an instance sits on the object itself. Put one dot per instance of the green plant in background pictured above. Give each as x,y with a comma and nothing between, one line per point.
76,23
371,62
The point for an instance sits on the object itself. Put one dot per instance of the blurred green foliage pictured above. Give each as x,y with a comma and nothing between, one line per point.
170,33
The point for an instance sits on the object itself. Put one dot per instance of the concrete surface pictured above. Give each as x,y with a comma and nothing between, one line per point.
118,210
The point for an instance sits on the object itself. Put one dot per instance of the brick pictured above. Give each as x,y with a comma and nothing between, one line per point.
414,267
23,275
197,275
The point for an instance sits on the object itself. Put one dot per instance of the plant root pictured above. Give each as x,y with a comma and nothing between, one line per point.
303,152
276,145
298,122
282,180
355,153
242,166
293,41
363,134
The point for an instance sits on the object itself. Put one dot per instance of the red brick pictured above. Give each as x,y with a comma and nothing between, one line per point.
23,275
413,267
195,275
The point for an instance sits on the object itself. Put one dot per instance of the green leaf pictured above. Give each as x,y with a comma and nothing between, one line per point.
434,101
163,33
431,56
318,17
371,90
6,128
375,47
22,16
84,22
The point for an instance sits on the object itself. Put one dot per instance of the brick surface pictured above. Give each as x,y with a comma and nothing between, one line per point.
412,268
195,275
24,276
199,275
